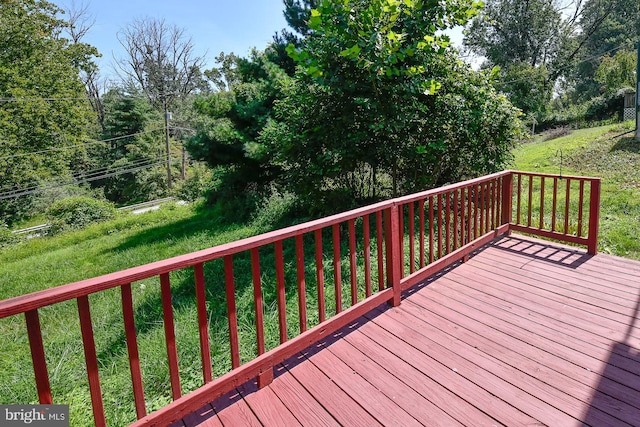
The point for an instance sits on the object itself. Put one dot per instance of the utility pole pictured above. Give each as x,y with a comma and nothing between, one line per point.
166,140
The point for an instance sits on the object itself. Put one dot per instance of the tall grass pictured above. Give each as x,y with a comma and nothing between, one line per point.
127,242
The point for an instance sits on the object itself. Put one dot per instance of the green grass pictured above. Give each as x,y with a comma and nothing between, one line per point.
135,240
174,230
597,152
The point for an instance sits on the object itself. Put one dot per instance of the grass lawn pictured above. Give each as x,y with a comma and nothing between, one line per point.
597,152
130,241
126,242
174,230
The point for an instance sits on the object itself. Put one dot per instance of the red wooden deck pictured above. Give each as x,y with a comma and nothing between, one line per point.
526,333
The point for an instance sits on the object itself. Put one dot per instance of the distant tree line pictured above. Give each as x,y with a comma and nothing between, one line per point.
357,101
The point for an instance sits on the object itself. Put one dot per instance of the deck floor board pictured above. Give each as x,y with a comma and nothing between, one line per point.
526,332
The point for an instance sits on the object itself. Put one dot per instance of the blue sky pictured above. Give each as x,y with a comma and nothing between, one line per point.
215,25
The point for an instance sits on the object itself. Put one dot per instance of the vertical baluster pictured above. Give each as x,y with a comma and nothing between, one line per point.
170,335
401,238
493,201
483,195
421,220
463,217
337,274
476,189
541,203
302,290
280,291
440,226
352,262
447,223
431,230
412,253
132,350
203,322
567,199
518,216
91,361
392,229
500,200
37,357
380,244
469,215
554,204
257,299
455,220
580,208
320,276
489,206
530,200
264,377
367,255
232,315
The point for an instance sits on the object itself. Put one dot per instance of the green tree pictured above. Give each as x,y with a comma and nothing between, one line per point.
228,137
43,106
535,39
617,71
619,27
379,99
133,142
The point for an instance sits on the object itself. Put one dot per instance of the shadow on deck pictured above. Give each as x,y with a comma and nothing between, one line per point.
524,333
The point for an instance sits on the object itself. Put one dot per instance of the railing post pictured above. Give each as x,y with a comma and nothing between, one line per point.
507,198
392,245
594,216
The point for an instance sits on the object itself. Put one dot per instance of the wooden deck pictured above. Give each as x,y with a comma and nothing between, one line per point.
526,333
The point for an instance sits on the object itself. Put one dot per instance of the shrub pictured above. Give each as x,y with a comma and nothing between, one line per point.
7,238
78,212
198,183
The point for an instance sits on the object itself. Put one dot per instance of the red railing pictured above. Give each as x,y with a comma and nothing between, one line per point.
564,208
410,238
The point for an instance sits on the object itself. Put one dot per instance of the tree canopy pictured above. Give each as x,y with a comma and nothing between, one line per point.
380,105
44,116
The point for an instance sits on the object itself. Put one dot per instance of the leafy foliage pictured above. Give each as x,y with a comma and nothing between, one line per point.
234,119
78,212
617,71
618,28
381,106
43,106
7,237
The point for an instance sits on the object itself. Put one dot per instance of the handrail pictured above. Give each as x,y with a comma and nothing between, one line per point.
404,240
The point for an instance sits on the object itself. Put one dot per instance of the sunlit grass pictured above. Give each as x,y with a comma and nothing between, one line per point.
131,241
598,152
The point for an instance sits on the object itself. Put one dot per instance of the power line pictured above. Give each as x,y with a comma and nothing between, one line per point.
87,173
590,58
84,98
90,142
39,189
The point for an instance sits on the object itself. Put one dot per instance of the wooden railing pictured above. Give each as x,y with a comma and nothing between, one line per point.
335,270
564,208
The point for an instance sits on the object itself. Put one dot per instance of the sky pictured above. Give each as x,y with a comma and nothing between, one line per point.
214,25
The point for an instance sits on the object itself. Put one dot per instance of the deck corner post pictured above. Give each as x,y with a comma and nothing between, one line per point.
392,245
594,217
507,198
